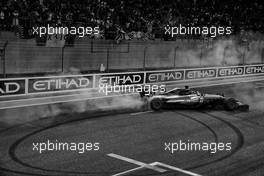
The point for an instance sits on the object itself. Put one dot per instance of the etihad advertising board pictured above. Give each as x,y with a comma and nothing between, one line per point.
254,69
202,73
67,83
54,84
12,87
120,79
164,76
230,71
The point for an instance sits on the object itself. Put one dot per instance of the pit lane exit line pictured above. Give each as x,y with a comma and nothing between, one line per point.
129,160
152,166
138,113
50,100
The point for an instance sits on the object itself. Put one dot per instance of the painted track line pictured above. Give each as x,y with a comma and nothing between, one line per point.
138,113
129,160
227,82
153,166
30,102
128,171
176,169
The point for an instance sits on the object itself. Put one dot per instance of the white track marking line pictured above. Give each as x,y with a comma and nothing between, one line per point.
138,113
259,87
53,102
175,169
260,83
81,96
129,160
128,171
226,83
132,170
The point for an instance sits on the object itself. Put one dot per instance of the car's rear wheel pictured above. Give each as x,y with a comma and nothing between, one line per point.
244,107
156,104
231,104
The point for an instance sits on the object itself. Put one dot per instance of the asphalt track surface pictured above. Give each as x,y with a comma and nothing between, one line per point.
137,141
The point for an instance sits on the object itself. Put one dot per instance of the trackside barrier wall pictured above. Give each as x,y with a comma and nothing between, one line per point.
23,56
68,83
1,64
26,57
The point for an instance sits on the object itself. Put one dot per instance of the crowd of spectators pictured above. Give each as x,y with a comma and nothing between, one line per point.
138,17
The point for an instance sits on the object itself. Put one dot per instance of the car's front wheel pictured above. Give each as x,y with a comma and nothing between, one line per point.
156,104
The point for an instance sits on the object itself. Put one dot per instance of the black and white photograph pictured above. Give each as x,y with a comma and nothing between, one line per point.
131,88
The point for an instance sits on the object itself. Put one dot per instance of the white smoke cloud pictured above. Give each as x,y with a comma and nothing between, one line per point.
27,114
220,53
250,93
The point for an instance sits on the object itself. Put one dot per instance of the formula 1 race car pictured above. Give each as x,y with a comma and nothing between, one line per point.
186,98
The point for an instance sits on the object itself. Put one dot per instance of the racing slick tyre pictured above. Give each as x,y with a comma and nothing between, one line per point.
243,107
231,104
156,104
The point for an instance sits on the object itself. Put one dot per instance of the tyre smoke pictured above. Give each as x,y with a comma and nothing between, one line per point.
251,94
82,102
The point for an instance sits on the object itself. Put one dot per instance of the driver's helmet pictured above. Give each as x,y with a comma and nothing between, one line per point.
185,92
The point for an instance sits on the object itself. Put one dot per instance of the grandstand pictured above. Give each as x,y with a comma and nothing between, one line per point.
132,35
138,15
